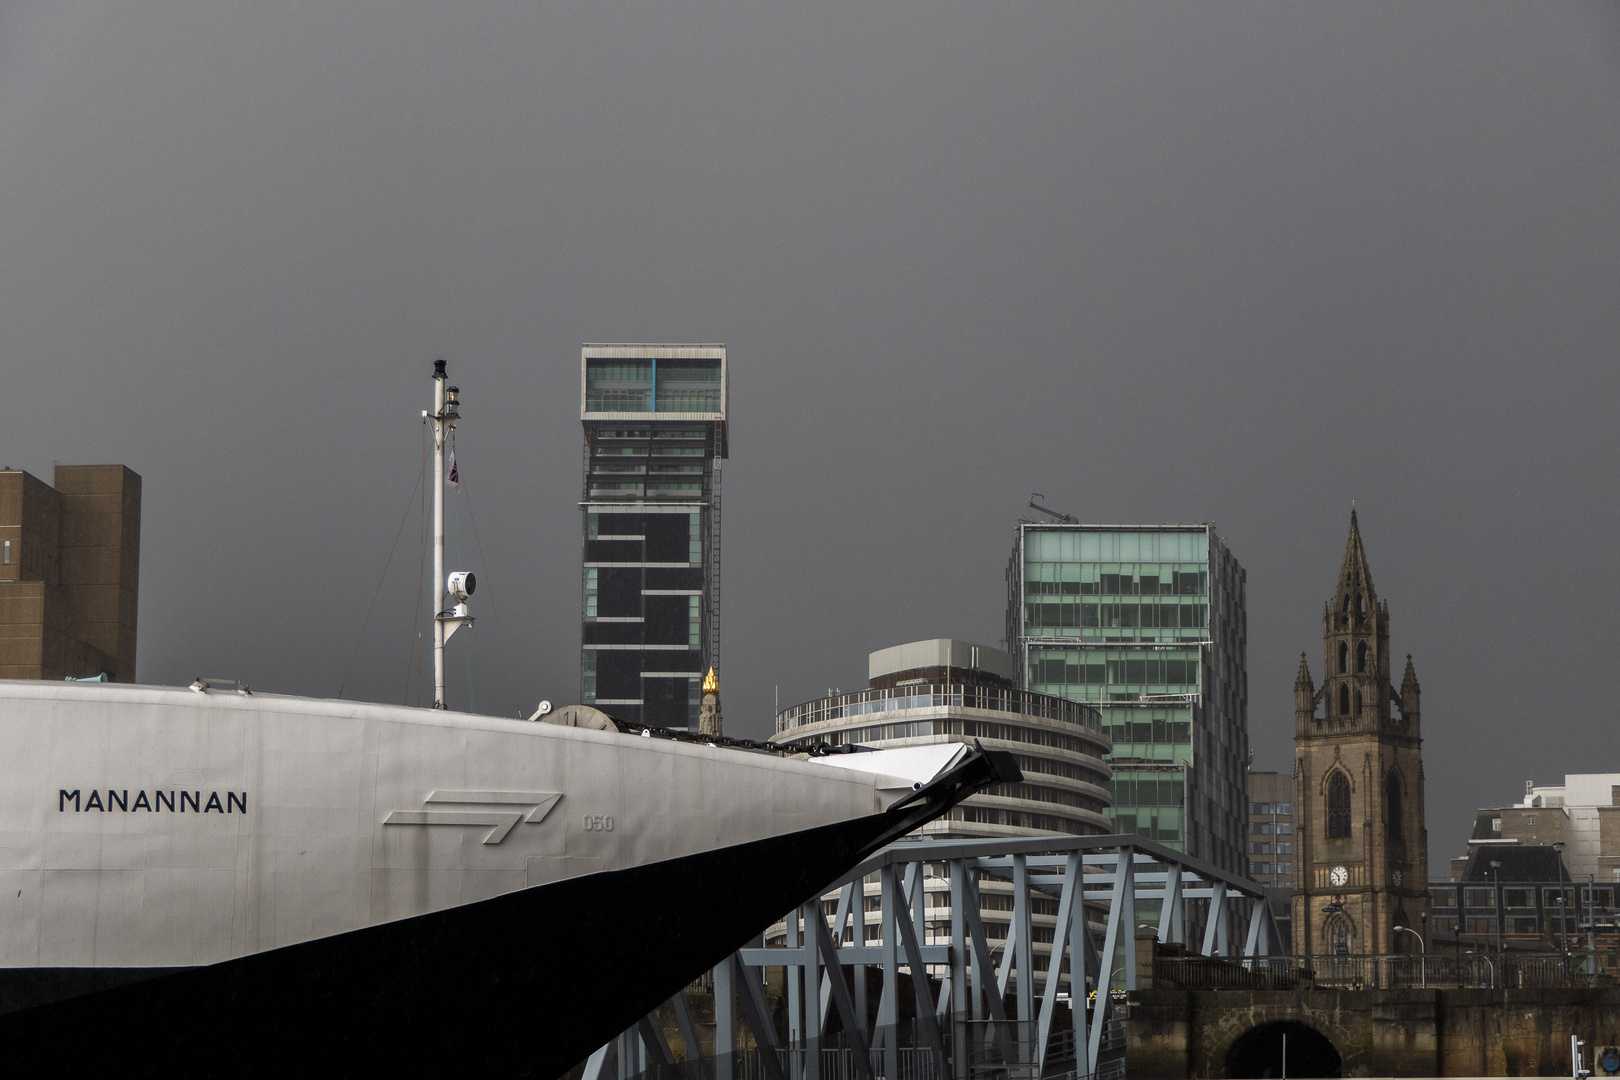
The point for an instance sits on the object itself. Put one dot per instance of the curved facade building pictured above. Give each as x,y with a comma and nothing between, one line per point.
952,691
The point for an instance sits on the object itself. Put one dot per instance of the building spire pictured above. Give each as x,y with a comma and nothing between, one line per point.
1354,576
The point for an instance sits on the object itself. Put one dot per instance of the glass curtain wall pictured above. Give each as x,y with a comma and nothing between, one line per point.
1130,620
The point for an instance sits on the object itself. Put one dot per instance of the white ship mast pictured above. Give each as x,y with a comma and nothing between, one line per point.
461,583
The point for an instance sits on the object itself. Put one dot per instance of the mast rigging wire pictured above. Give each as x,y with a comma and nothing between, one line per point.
378,591
421,568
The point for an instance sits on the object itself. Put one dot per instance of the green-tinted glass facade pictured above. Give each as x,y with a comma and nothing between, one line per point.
1146,624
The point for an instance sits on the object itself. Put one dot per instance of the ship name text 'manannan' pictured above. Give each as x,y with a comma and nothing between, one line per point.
177,802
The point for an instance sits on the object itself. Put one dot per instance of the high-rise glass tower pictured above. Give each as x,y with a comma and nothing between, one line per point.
1146,623
655,434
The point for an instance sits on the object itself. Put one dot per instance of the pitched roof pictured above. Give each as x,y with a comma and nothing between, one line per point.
1520,862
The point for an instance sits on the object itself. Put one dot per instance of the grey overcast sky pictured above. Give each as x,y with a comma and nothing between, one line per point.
1237,263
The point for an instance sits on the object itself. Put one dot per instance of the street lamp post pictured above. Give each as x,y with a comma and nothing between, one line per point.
1591,926
1496,887
1563,935
1423,957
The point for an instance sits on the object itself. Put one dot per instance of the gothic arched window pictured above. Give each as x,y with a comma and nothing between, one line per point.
1344,658
1361,657
1392,806
1338,806
1358,702
1344,699
1339,935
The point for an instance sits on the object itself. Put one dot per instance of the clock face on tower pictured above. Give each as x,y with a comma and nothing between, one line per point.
1338,876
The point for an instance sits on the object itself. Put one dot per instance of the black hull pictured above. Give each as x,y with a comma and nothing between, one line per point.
526,984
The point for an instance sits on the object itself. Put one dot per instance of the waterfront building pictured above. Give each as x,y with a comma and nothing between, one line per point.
1146,624
1582,814
1271,843
1561,840
1362,866
944,691
655,435
70,558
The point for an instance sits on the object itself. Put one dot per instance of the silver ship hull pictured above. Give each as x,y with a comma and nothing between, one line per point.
344,886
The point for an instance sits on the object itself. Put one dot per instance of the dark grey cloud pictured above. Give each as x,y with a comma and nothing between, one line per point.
1162,263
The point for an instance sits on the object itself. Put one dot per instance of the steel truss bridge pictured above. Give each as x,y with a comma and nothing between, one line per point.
946,1008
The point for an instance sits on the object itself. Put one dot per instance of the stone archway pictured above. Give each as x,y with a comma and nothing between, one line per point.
1258,1052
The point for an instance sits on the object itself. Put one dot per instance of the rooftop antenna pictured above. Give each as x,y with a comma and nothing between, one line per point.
1057,518
460,584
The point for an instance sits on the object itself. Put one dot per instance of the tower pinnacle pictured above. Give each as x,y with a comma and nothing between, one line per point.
709,719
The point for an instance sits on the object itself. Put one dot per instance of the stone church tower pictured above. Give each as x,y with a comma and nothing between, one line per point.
1361,850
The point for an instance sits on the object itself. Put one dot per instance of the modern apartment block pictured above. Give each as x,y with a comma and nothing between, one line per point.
1146,624
947,691
942,690
1271,842
70,558
655,434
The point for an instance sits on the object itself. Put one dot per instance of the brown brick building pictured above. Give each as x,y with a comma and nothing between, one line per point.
69,573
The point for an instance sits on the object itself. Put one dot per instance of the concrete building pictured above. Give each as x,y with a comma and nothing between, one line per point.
1363,849
70,558
1271,843
942,690
1147,625
655,434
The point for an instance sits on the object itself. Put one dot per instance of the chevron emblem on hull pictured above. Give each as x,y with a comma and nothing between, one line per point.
537,804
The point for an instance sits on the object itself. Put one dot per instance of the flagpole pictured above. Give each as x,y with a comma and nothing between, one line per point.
440,422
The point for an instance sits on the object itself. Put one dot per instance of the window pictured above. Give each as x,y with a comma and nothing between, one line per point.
5,554
1392,806
1496,825
1339,929
1344,658
1529,819
1338,806
1344,699
1361,657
